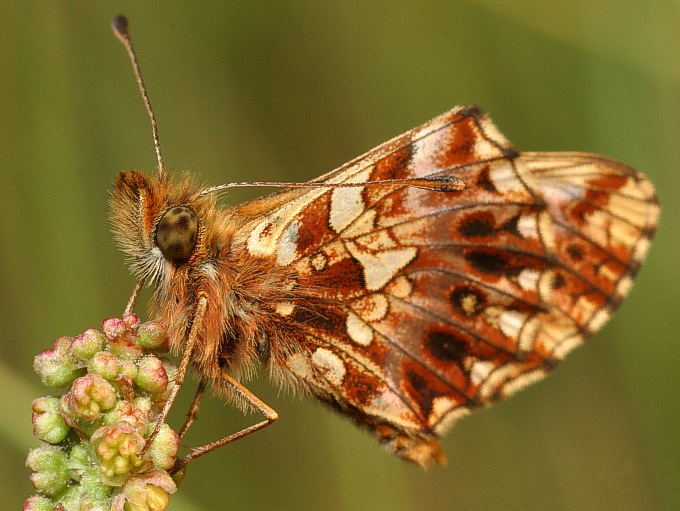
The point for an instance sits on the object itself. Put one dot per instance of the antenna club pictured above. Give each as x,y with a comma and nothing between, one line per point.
120,27
450,184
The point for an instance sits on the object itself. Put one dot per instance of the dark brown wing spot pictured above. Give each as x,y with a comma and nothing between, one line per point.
558,281
489,262
484,180
511,226
418,386
476,226
575,252
445,346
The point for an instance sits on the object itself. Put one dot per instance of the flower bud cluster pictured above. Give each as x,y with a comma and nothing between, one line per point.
113,385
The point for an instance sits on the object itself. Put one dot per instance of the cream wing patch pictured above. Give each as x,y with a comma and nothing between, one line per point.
359,331
348,203
330,366
380,267
287,246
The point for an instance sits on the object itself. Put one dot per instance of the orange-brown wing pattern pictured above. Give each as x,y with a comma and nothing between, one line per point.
414,306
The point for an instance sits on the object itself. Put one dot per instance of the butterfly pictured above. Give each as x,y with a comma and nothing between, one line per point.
433,275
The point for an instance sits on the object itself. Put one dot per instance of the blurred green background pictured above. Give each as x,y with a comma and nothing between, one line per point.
287,91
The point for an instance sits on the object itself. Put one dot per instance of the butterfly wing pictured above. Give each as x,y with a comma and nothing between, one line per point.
412,307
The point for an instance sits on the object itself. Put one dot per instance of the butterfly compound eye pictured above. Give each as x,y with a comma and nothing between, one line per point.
176,233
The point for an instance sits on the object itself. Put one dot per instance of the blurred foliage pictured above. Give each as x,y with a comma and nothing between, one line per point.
288,90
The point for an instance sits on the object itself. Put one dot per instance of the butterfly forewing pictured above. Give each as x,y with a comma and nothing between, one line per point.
410,307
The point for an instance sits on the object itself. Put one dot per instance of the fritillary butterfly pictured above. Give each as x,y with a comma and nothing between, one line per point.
403,307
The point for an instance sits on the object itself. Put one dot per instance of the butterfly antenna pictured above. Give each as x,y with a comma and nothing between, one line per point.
120,28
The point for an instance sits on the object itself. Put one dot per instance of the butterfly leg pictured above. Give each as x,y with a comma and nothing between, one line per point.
192,414
181,370
133,298
242,393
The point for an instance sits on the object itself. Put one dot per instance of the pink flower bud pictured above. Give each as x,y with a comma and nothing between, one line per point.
125,411
114,328
104,364
89,397
118,447
131,321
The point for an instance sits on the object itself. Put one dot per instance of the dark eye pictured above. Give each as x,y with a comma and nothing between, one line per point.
176,233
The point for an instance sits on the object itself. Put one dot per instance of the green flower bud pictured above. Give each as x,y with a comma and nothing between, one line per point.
163,450
50,469
83,465
127,368
48,425
88,343
57,367
37,503
153,336
151,375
